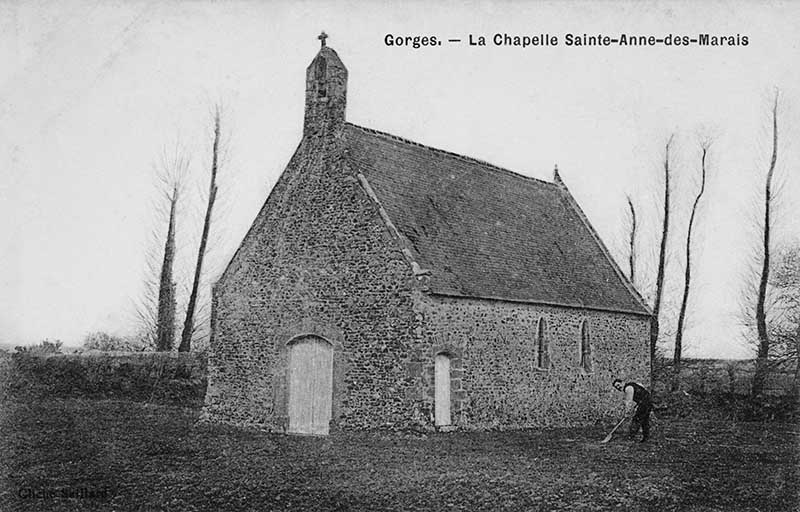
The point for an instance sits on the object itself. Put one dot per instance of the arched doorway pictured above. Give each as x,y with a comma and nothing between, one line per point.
310,385
442,394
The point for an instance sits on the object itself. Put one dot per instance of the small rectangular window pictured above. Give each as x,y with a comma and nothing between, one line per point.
542,348
585,348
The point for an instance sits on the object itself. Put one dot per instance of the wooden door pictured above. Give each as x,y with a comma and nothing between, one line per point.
323,388
310,386
442,396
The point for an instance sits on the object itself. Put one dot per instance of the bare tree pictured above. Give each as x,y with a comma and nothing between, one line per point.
782,310
189,321
676,360
155,309
145,306
784,325
761,315
662,262
632,242
165,323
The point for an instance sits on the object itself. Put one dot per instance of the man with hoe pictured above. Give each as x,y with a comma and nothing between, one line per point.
638,396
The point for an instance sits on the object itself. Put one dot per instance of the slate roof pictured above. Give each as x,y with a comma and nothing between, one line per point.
487,232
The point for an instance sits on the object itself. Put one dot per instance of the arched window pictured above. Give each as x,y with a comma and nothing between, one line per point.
585,347
542,348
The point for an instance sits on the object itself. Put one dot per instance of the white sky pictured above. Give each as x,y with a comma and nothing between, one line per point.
90,93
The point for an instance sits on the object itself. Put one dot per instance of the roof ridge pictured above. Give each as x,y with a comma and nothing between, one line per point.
451,154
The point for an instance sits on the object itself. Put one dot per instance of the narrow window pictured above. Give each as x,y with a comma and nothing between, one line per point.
542,350
319,76
585,347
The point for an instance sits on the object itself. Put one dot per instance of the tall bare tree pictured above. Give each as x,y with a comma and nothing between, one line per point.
662,261
189,321
676,359
762,330
155,309
165,325
632,242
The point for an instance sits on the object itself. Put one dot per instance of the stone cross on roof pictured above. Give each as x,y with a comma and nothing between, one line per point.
322,37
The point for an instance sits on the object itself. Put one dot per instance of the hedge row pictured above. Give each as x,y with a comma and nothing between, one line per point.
723,376
157,377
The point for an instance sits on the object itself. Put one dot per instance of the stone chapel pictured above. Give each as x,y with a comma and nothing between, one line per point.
388,284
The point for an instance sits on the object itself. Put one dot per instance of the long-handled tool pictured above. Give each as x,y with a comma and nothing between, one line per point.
608,437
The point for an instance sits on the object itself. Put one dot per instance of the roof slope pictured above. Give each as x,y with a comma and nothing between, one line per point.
487,232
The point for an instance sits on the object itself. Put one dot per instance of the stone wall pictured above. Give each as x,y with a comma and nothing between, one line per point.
495,380
318,261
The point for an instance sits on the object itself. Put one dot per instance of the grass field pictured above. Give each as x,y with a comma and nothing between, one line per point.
77,454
